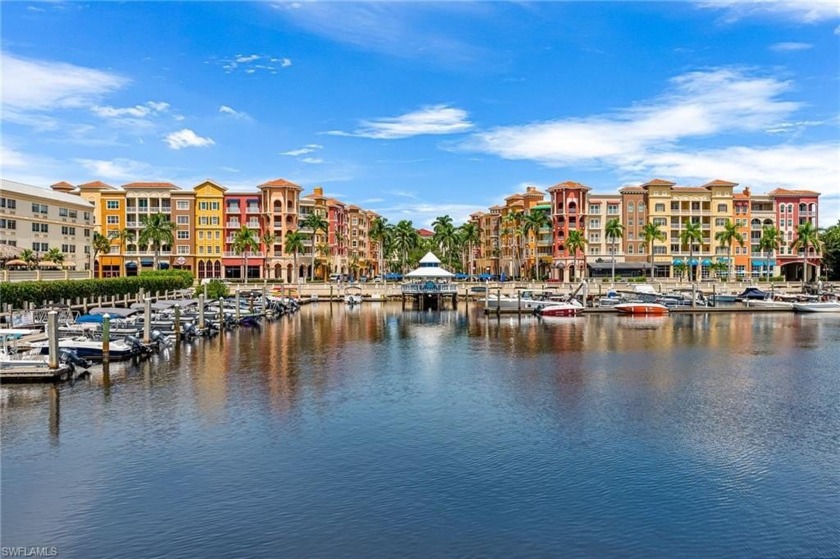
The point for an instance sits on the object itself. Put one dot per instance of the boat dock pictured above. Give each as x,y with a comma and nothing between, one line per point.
33,373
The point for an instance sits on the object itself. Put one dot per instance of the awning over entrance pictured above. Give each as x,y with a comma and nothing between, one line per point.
707,262
678,262
763,262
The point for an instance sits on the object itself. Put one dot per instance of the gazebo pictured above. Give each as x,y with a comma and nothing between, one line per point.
430,285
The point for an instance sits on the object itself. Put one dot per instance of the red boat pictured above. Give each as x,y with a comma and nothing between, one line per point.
560,309
641,308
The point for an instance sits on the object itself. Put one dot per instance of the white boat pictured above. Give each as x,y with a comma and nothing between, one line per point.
92,349
353,295
772,303
571,308
526,302
818,306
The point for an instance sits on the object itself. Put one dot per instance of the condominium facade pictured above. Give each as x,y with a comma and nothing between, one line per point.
39,220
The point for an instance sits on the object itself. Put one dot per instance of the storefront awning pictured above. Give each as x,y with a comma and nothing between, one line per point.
763,262
707,262
678,262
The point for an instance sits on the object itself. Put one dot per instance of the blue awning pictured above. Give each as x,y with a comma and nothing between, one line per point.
707,262
723,259
693,262
678,262
762,262
147,262
131,264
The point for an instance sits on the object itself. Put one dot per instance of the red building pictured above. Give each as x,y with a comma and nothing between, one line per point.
793,208
568,209
242,209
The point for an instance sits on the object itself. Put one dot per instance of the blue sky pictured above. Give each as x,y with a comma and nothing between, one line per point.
421,109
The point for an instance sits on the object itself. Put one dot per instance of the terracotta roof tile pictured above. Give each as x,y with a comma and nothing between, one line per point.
150,185
279,182
718,182
786,192
659,182
425,233
96,184
568,184
62,184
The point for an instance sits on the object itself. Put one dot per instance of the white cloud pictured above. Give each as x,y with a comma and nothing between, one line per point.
252,63
790,47
699,104
187,138
312,160
138,111
435,119
116,169
309,148
12,158
224,109
37,86
799,10
788,127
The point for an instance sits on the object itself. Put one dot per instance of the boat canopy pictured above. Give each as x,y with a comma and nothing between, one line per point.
114,311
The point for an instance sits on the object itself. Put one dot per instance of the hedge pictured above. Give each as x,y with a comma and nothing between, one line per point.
18,293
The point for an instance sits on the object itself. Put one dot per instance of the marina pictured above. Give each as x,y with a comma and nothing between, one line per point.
441,432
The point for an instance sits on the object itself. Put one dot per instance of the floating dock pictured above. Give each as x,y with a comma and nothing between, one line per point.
32,373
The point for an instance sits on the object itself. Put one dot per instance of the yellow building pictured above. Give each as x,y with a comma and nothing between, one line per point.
209,242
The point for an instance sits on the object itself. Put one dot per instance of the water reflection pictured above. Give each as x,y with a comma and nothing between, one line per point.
441,432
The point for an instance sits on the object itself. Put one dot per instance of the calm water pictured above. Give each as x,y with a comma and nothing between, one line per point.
377,432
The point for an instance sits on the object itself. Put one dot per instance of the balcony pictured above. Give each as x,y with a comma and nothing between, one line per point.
233,225
232,209
232,254
253,210
144,253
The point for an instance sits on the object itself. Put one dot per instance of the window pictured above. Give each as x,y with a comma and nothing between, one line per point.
203,220
68,230
40,228
113,220
675,206
629,249
594,250
87,232
87,216
595,208
183,249
183,235
720,221
218,250
183,220
612,209
723,208
218,235
112,204
8,224
661,221
62,212
40,247
40,209
182,204
659,207
73,214
594,223
659,250
202,206
641,207
630,207
214,221
201,249
70,249
214,205
9,203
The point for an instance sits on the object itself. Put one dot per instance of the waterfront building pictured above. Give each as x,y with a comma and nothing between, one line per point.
361,256
143,199
601,208
183,215
795,208
39,220
280,204
336,238
488,249
209,214
633,244
568,203
242,209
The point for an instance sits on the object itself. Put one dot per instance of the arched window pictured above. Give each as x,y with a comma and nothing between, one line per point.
803,207
641,207
201,271
630,207
790,208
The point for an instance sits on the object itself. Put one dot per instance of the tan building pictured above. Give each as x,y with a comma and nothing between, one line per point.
280,205
39,220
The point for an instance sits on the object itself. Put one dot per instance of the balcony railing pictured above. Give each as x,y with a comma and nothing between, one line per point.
233,254
429,287
253,210
144,253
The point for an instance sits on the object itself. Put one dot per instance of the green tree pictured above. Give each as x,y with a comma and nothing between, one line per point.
614,230
268,239
691,234
405,238
533,222
125,236
830,239
681,268
54,255
157,231
316,222
807,236
100,245
574,243
244,242
294,246
469,234
28,256
730,234
771,239
444,234
651,233
512,229
379,233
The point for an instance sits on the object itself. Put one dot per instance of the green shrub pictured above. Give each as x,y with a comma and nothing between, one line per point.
19,293
216,289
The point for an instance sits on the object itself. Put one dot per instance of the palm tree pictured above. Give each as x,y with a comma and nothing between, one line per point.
533,222
575,242
680,268
691,234
469,233
806,236
379,233
245,241
614,230
316,222
405,238
28,256
444,230
268,239
54,255
729,234
125,236
157,231
100,244
513,229
770,240
650,233
294,246
323,250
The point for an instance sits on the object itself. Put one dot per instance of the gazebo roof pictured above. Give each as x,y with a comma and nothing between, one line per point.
430,268
430,258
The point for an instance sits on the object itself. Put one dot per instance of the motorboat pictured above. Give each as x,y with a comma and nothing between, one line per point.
353,295
641,307
817,306
723,298
571,308
753,293
88,348
526,301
